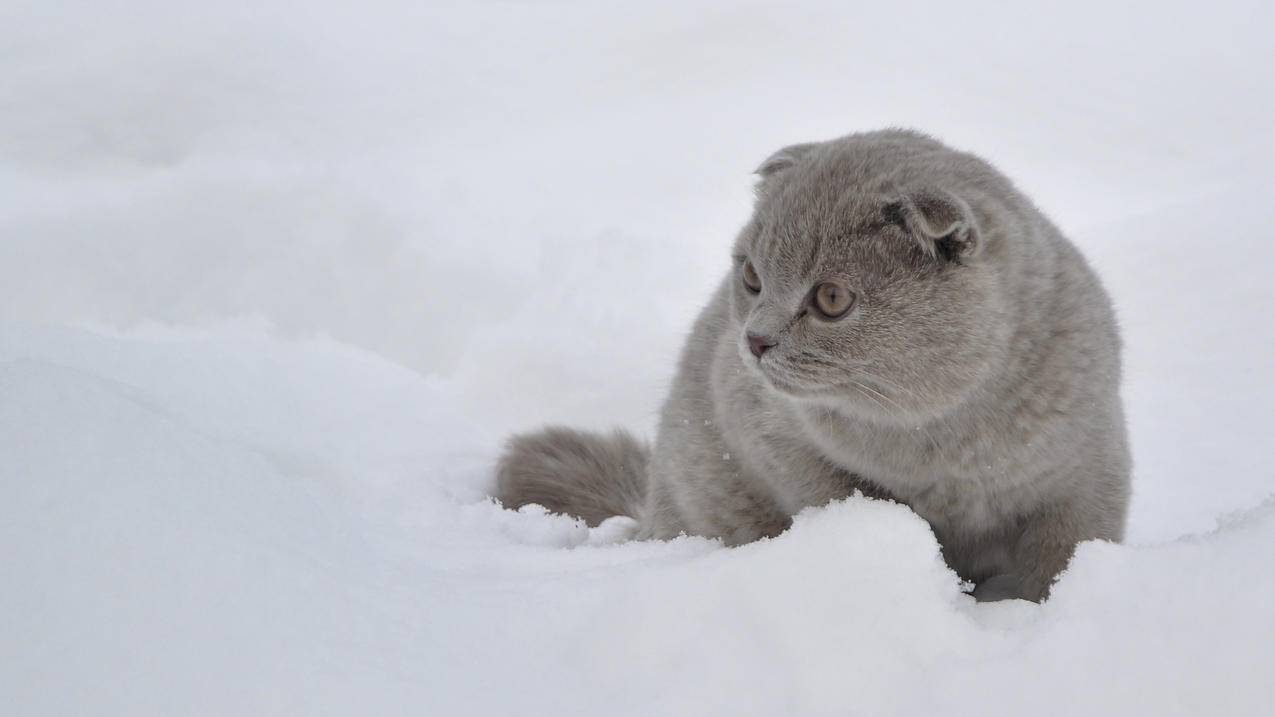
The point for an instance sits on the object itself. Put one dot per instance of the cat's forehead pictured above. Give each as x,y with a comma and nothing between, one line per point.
818,232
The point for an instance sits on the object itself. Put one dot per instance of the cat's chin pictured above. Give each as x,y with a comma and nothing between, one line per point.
825,397
781,385
833,397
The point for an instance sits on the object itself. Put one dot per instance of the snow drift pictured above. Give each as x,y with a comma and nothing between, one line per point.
275,284
239,524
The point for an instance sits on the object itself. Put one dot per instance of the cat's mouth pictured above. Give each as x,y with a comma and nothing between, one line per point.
782,377
783,380
863,393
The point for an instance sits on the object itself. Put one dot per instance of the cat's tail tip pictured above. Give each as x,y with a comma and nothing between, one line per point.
591,476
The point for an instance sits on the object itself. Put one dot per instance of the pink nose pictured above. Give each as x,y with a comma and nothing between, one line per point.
759,344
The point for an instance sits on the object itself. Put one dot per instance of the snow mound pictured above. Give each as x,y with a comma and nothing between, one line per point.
227,522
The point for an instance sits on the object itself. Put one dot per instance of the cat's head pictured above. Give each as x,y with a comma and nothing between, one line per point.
864,279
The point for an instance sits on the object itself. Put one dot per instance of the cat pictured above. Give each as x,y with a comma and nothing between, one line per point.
897,320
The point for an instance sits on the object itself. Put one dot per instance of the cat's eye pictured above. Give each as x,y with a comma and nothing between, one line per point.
751,280
832,300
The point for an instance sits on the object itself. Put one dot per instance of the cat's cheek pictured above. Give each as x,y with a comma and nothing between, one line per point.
741,305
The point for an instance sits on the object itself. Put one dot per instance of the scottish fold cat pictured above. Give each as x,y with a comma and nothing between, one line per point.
897,319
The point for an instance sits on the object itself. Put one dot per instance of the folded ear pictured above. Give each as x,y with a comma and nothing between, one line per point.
783,159
940,221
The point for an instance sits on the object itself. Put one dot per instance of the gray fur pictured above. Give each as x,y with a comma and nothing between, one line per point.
976,379
610,472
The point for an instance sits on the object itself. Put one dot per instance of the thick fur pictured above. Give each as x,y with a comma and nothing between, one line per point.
590,476
975,379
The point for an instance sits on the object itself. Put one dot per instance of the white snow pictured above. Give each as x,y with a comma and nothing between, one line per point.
275,282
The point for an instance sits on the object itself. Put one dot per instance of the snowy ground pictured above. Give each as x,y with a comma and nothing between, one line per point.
273,287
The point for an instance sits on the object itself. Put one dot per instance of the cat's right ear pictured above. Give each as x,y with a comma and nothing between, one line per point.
783,159
941,222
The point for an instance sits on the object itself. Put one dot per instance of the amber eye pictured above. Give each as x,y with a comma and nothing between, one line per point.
751,280
833,300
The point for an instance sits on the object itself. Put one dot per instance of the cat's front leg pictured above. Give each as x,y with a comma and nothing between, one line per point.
1005,586
1046,544
1038,550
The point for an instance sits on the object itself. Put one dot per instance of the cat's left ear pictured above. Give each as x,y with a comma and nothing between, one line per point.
941,222
783,159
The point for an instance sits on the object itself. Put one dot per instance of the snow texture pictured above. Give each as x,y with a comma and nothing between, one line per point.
275,282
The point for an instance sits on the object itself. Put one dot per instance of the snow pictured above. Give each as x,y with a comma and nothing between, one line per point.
275,284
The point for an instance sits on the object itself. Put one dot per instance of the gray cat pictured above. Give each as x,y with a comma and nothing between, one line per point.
897,319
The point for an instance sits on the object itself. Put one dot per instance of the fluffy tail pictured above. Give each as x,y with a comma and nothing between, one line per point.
587,475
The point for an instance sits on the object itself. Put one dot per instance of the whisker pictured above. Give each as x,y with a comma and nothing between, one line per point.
884,382
900,412
861,388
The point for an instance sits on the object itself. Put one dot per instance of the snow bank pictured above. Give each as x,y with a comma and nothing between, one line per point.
395,232
233,523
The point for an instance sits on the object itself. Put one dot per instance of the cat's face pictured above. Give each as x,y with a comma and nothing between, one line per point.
876,300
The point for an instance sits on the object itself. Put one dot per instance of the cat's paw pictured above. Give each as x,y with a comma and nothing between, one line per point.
1000,587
